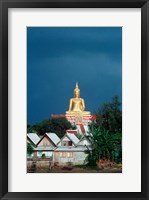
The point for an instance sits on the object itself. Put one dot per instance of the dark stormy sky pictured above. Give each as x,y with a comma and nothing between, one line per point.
58,57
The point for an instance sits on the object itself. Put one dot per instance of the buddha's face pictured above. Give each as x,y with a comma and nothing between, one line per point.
76,94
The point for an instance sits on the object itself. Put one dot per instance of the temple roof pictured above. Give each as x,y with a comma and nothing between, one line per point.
71,131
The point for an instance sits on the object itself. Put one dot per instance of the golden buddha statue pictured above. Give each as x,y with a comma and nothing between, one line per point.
77,105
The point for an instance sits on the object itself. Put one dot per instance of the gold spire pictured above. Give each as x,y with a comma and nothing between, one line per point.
77,84
77,87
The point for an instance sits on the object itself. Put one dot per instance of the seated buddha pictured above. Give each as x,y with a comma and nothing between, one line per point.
77,105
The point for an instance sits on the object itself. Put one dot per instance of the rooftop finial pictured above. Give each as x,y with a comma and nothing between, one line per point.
77,87
77,84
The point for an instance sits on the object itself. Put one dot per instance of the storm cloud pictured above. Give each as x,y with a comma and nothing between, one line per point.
57,57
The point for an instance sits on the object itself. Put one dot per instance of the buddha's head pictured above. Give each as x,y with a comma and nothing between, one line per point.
77,91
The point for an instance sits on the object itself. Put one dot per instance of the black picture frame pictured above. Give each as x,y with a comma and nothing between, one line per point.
4,6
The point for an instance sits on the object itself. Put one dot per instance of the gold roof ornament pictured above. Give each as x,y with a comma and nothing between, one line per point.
77,87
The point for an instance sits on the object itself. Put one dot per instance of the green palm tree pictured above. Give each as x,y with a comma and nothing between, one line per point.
104,145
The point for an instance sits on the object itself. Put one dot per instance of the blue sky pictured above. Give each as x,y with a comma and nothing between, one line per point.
58,57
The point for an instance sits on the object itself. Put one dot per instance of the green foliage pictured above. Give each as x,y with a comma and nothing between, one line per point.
30,149
74,127
104,144
109,116
55,125
43,156
79,136
33,129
